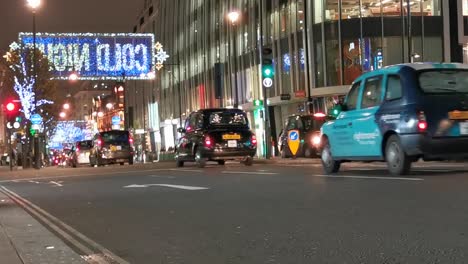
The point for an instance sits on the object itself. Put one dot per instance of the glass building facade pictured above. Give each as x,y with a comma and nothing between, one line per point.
319,48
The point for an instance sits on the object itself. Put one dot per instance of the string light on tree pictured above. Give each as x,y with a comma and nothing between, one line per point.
24,87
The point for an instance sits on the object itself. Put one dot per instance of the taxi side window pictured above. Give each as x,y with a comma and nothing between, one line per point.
191,122
372,94
294,123
352,98
394,89
199,121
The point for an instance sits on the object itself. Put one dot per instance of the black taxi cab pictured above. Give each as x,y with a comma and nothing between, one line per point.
400,114
217,134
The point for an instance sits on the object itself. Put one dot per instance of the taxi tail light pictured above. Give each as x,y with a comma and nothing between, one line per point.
208,142
422,123
254,140
319,115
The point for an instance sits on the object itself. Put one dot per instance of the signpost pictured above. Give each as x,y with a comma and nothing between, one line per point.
293,142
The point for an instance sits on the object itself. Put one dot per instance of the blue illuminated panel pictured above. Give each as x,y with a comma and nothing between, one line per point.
96,56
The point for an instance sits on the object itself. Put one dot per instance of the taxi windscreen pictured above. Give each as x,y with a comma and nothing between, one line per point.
444,81
227,119
87,144
115,137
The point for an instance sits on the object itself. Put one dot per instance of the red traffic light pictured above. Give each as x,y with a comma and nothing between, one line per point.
10,106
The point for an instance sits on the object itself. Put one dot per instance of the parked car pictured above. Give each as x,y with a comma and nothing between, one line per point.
216,135
400,114
115,146
5,160
80,153
308,127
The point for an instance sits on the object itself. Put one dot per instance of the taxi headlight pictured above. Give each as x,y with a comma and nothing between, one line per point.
316,140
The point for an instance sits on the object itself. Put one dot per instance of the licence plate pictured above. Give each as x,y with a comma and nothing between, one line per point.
231,136
458,114
115,148
232,143
463,128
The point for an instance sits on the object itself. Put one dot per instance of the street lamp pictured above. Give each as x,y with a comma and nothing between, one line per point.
73,76
66,106
62,114
34,4
234,16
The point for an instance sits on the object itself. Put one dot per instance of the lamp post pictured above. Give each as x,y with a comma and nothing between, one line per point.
34,4
233,17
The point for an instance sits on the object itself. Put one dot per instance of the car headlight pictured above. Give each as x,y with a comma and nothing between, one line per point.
316,140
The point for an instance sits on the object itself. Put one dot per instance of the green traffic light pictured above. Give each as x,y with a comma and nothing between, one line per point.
267,71
32,131
258,102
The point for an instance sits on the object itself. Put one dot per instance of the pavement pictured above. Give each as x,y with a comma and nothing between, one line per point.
273,212
23,240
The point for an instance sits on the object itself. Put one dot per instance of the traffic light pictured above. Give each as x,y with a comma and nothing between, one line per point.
258,102
268,71
12,111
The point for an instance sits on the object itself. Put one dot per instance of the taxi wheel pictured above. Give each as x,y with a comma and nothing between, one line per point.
179,163
397,161
221,162
248,161
329,164
201,162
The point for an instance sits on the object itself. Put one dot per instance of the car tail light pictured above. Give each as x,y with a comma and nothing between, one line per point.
99,142
77,149
130,140
208,142
422,123
254,140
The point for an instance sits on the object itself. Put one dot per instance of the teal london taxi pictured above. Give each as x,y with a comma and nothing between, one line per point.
400,114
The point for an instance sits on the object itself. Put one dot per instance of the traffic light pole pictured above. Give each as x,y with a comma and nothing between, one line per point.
37,156
266,113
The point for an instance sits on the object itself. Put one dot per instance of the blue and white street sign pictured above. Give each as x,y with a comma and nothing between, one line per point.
116,120
293,135
36,119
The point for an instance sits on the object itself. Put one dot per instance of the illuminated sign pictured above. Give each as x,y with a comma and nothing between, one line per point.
96,56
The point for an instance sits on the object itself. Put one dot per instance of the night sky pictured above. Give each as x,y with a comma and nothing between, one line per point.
56,16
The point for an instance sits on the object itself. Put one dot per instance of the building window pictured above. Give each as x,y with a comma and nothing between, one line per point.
142,20
150,10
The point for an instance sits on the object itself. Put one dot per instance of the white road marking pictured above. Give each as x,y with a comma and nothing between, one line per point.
183,187
250,172
368,177
57,183
187,170
81,175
